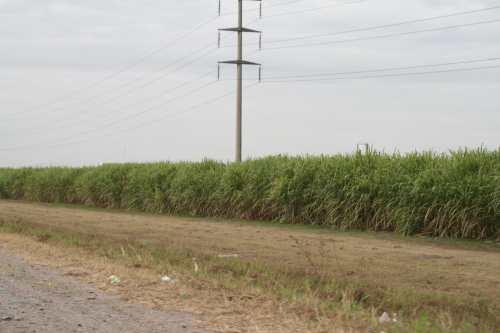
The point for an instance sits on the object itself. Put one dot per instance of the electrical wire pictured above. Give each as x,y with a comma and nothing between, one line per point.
314,9
444,28
91,100
377,27
116,121
117,72
371,28
141,125
209,101
75,121
338,4
283,3
461,62
386,75
132,89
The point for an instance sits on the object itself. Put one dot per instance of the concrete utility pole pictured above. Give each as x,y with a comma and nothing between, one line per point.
239,62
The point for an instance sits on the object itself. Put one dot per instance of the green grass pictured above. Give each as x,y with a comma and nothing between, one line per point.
454,195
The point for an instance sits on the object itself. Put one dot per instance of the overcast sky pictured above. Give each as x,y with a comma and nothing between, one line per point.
79,83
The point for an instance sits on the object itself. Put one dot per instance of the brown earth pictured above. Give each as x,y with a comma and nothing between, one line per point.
38,298
55,277
395,262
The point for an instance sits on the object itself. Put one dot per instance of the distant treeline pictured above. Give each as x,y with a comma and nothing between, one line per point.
441,195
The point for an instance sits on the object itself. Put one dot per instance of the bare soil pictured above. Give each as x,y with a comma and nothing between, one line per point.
37,298
187,299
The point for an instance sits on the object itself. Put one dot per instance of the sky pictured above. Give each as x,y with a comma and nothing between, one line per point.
90,82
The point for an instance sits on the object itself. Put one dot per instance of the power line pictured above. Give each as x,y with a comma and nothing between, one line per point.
209,101
160,77
116,121
90,101
314,9
462,62
129,129
119,71
163,93
387,75
450,27
384,25
283,3
307,10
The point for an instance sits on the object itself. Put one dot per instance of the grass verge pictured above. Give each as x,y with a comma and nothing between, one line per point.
319,301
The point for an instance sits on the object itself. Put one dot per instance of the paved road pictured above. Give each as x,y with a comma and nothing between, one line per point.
42,300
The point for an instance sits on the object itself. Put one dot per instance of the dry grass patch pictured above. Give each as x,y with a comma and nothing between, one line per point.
250,295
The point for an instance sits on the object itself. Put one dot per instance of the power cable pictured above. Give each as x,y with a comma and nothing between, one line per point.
314,9
338,4
462,62
450,27
144,124
385,25
90,101
117,121
387,75
118,72
283,3
163,93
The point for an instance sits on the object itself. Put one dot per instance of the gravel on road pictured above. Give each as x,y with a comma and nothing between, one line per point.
39,299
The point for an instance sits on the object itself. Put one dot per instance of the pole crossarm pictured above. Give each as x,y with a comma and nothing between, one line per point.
239,62
242,29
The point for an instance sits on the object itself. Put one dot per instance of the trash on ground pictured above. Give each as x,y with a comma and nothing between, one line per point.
113,279
195,264
166,278
384,318
228,256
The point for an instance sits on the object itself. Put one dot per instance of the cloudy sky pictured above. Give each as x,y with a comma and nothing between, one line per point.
86,82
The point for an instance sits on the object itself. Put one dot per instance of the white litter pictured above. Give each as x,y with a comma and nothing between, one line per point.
228,256
195,264
167,279
384,318
113,279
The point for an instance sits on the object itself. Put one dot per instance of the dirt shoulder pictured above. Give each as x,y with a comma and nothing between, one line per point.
391,263
72,287
38,298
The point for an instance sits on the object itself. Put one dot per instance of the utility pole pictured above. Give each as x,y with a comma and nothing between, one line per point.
239,62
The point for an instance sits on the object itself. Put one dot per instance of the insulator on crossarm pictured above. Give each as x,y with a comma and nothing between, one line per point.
218,41
219,6
260,73
260,10
218,72
260,41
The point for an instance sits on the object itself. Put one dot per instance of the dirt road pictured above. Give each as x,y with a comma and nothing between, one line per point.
39,299
387,261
